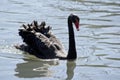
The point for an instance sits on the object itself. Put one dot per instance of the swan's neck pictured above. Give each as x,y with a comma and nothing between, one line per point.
72,47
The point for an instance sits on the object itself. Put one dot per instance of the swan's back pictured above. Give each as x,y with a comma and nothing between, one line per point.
40,41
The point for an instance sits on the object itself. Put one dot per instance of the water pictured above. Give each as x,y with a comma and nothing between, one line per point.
98,41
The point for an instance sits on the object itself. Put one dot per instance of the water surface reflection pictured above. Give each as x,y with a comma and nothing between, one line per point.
34,69
70,69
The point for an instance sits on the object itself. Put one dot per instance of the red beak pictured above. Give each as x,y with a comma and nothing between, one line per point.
77,25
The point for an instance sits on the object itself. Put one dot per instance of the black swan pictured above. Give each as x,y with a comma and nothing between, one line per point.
39,40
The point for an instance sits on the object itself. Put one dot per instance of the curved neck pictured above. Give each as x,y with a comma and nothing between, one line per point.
72,47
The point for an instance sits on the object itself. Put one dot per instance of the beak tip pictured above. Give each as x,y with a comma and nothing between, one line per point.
78,29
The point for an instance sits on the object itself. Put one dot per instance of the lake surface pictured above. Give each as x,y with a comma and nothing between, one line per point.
97,42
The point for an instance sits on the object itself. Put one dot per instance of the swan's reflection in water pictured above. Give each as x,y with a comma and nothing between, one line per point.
70,69
40,68
33,69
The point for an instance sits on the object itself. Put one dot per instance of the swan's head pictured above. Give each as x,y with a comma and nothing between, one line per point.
75,19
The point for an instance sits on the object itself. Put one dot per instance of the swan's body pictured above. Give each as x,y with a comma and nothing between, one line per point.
43,44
